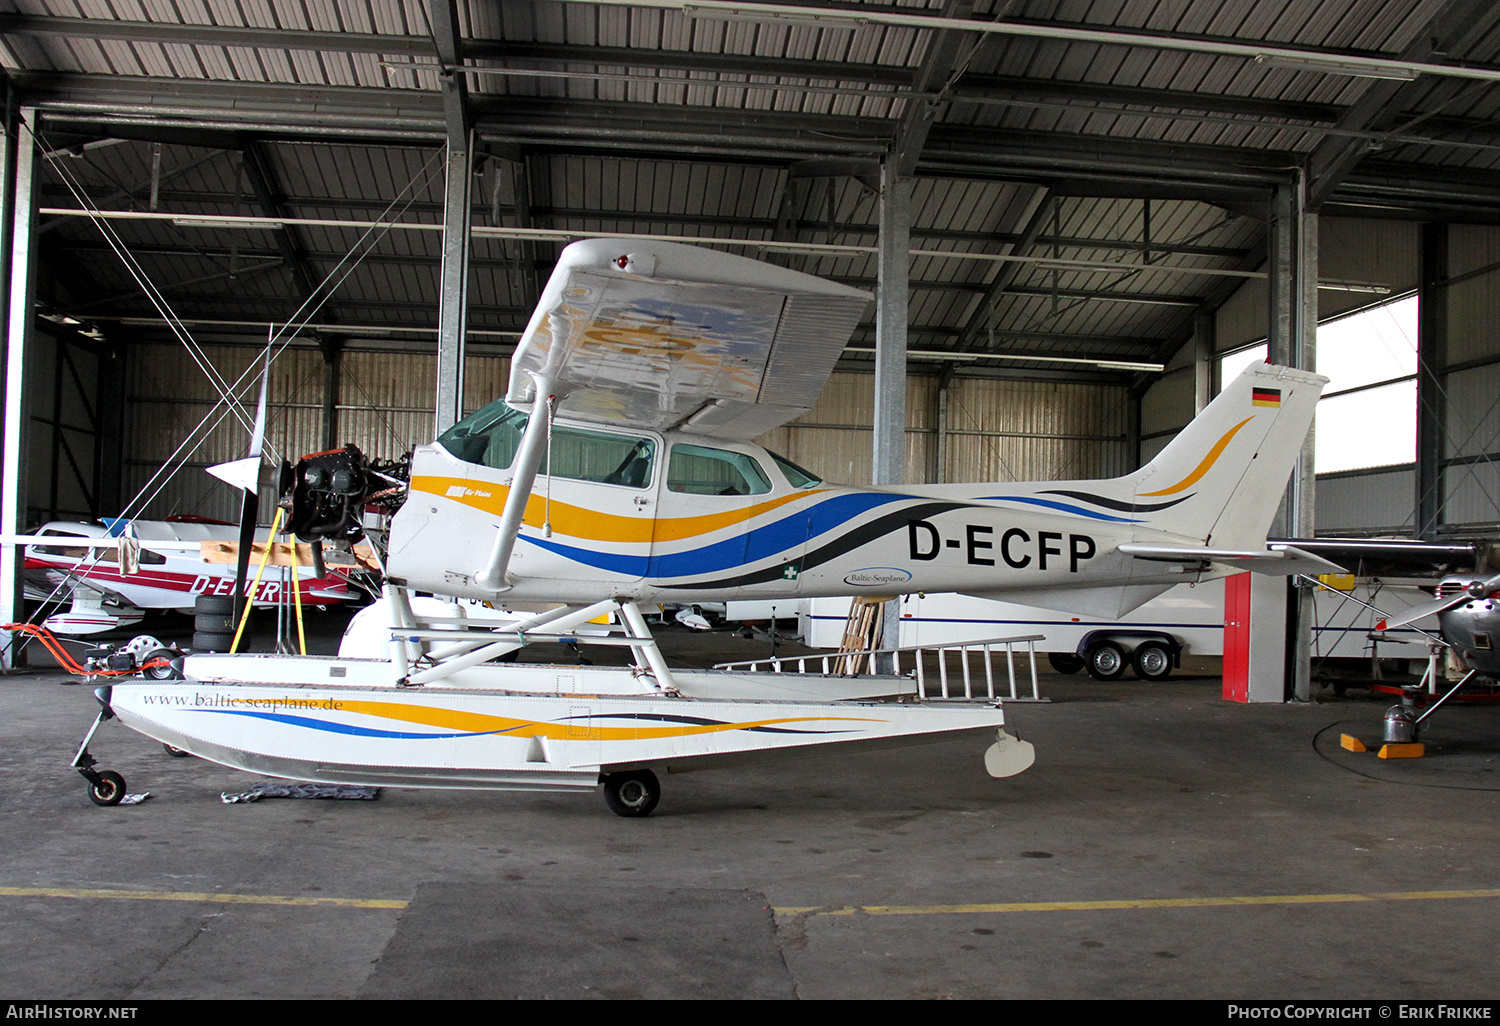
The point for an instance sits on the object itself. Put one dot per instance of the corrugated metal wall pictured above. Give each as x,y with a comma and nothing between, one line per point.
994,430
72,436
1471,391
175,420
176,424
1362,502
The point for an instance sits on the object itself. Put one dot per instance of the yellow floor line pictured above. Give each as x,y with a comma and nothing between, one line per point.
869,910
222,899
1093,906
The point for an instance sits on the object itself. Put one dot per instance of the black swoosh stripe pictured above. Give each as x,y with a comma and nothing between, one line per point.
695,721
863,535
1124,507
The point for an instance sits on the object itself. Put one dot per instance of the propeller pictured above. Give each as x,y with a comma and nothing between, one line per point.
246,474
1473,590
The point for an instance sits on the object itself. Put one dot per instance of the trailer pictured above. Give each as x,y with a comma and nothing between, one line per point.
1188,619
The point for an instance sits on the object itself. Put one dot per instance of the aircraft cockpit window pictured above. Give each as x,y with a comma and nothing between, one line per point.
701,471
489,436
797,477
492,435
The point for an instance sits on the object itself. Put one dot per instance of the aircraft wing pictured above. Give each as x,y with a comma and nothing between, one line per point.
657,335
1280,560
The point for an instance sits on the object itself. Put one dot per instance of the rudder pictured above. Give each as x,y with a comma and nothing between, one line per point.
1220,481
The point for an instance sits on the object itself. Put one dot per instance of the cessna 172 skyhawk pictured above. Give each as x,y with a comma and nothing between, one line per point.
619,469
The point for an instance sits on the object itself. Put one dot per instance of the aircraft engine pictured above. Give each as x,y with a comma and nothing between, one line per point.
326,493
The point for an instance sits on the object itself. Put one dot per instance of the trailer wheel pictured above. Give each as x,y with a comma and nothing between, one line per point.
1065,662
1106,660
176,753
108,789
632,794
1153,661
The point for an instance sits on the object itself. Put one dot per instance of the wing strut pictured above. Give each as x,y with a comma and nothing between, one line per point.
533,446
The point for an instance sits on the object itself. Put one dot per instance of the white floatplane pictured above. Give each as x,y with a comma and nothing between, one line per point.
619,469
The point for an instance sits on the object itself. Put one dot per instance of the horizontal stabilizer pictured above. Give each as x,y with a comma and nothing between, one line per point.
1278,560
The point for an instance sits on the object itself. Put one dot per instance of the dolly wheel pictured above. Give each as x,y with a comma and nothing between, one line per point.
633,794
108,789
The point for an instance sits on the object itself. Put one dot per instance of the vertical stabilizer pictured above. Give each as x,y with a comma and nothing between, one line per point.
1220,481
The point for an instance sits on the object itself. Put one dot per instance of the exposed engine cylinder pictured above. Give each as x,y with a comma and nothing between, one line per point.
326,493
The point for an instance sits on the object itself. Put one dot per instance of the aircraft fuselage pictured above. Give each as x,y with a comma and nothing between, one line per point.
678,518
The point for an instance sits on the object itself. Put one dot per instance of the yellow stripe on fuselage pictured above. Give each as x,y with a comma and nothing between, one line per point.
577,522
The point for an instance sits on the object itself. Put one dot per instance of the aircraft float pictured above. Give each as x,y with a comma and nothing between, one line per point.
619,469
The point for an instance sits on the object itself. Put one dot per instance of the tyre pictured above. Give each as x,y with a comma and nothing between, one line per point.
218,605
176,753
1065,662
214,623
632,794
1106,660
1153,661
206,641
163,670
109,789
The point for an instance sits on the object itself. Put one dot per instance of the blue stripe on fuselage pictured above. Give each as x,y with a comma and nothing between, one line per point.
773,539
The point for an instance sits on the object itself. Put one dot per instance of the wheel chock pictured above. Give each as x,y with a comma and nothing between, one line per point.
1406,750
1352,743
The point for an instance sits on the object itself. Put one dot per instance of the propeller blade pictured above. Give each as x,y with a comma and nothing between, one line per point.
246,474
249,511
1429,608
258,433
1469,592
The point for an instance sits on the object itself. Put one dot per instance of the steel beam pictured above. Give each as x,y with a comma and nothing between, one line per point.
20,199
894,268
457,206
893,264
1432,359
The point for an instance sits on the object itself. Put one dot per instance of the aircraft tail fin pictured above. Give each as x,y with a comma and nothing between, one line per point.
1220,481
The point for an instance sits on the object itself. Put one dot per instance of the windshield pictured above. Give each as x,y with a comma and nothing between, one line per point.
491,436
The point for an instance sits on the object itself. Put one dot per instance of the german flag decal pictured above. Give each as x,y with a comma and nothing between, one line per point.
1265,397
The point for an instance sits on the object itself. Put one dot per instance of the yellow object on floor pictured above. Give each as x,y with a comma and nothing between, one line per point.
1410,750
1352,743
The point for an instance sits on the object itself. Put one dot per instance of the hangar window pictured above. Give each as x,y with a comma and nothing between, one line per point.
1368,414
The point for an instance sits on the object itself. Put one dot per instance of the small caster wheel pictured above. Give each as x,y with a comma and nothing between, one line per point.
632,794
162,668
176,753
108,790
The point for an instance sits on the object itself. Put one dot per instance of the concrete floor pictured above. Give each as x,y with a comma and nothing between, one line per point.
1166,844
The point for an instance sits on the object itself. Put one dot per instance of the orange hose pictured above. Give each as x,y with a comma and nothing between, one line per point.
64,657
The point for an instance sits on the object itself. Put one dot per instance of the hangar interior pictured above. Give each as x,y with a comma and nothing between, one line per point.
1070,210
